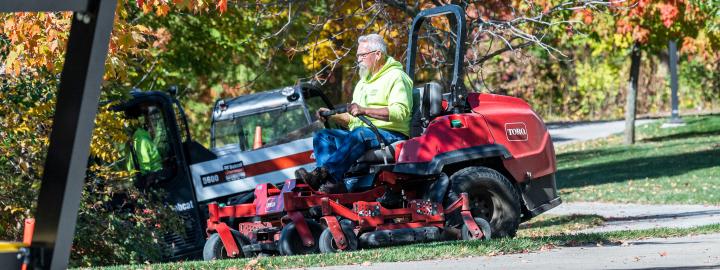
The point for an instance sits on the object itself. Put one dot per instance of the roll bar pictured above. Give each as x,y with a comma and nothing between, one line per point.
457,87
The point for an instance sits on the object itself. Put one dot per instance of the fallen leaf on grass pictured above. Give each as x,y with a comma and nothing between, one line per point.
546,247
251,264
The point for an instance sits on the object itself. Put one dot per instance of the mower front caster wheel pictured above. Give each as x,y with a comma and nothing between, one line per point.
484,227
327,241
290,242
215,250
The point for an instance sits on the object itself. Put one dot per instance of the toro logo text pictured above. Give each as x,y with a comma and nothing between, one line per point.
516,131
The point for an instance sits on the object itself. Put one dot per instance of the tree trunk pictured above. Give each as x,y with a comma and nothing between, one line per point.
631,100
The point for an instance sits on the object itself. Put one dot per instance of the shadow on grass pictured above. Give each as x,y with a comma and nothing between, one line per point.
694,127
666,216
693,267
637,168
559,220
587,154
683,135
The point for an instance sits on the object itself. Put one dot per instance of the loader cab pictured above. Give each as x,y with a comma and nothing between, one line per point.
162,117
276,116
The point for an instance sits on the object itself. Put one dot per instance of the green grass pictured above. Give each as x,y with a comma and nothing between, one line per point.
677,165
439,250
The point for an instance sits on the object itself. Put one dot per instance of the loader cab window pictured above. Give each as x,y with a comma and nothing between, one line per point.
227,132
158,130
148,148
273,125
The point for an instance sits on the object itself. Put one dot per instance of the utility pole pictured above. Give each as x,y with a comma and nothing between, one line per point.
672,63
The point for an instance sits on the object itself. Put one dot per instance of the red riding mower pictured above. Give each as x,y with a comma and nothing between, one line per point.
475,166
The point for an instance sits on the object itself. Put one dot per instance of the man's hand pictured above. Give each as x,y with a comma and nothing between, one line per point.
319,117
355,109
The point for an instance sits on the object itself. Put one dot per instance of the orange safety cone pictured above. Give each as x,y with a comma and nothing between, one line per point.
28,231
257,141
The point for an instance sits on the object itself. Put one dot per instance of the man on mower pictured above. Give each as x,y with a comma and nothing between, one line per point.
384,94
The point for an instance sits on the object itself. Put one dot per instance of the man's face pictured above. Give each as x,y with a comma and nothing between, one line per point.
367,59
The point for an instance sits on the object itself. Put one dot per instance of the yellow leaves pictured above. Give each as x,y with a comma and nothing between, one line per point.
336,42
162,10
34,40
162,7
14,209
146,8
22,128
12,66
109,135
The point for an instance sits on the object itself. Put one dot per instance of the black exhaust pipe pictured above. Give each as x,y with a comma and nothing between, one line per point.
399,237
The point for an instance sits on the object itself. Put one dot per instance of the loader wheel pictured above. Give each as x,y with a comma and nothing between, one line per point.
215,250
492,198
484,227
327,242
290,242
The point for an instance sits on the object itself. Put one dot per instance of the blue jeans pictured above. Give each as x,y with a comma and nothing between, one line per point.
337,149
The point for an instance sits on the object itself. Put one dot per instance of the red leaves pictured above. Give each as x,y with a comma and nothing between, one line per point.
623,26
668,12
641,34
587,16
221,6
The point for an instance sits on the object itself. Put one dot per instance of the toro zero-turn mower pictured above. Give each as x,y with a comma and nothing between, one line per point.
475,166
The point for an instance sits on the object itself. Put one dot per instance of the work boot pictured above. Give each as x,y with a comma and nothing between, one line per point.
333,188
314,178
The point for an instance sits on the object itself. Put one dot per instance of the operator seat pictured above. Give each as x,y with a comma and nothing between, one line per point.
427,104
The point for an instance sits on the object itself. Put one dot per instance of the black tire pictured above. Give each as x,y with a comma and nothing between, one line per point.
484,227
291,244
492,198
215,250
327,242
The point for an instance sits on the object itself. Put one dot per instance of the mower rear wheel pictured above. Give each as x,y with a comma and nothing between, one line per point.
484,227
290,242
492,197
327,241
215,250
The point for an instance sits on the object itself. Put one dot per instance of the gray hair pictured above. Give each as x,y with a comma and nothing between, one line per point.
375,42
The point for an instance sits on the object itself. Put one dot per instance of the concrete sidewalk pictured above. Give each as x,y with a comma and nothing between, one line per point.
575,132
692,252
642,216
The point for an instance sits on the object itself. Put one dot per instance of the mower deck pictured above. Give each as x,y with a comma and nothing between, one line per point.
373,224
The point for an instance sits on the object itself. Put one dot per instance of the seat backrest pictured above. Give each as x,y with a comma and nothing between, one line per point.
427,104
